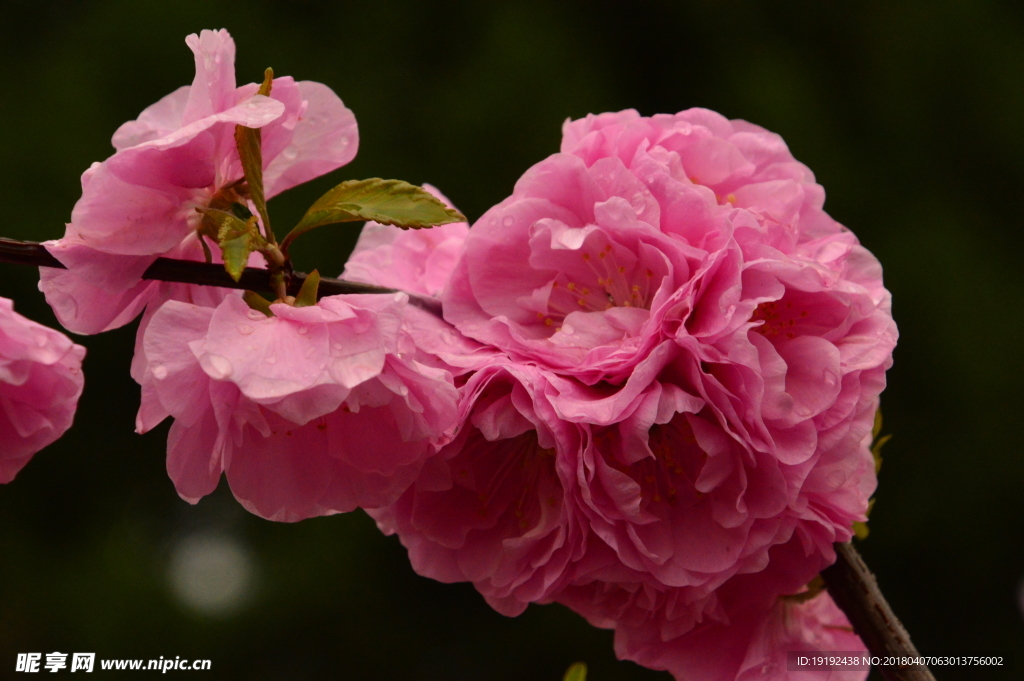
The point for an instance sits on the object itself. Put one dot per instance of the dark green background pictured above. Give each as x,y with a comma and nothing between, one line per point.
908,112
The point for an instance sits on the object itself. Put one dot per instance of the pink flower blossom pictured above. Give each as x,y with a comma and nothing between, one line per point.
713,344
491,507
313,411
180,154
40,382
740,632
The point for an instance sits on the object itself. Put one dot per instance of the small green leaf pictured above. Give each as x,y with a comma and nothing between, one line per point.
307,294
389,202
237,239
257,302
577,672
250,151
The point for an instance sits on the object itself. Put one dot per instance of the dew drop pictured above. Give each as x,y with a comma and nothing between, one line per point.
160,372
244,329
270,359
568,329
220,367
303,330
508,221
403,391
338,346
255,314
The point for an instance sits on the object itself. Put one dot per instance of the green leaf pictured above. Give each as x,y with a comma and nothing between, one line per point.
257,302
577,672
250,150
237,239
389,202
307,294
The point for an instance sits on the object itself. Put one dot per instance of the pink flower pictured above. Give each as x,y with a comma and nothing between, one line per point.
740,632
180,154
40,382
314,411
492,507
714,343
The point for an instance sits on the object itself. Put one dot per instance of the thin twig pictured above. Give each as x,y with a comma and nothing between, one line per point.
207,274
855,590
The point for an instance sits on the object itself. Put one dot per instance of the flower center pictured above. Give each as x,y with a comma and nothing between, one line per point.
607,280
778,318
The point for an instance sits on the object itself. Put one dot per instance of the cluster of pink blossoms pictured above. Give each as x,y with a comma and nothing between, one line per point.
650,398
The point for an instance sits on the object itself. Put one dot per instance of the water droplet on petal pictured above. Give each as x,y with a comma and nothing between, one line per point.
244,329
638,203
255,314
403,391
270,359
303,330
338,346
159,372
508,221
568,329
220,367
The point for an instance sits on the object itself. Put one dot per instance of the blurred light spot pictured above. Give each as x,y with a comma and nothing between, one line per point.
211,573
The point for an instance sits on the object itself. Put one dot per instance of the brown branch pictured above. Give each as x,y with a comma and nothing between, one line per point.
855,590
206,274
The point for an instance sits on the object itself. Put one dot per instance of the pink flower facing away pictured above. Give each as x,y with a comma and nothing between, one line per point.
716,344
40,383
180,154
313,411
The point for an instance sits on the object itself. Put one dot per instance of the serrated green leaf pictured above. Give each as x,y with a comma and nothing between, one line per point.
389,202
307,294
257,302
577,672
250,151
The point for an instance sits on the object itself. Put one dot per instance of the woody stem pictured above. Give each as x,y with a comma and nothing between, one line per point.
855,590
211,274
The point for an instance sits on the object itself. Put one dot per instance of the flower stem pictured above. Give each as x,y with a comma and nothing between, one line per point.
855,590
207,274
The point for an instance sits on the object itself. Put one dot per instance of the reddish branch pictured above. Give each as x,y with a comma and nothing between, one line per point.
849,581
206,274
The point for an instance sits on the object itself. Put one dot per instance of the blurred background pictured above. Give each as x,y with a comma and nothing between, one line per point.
908,112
